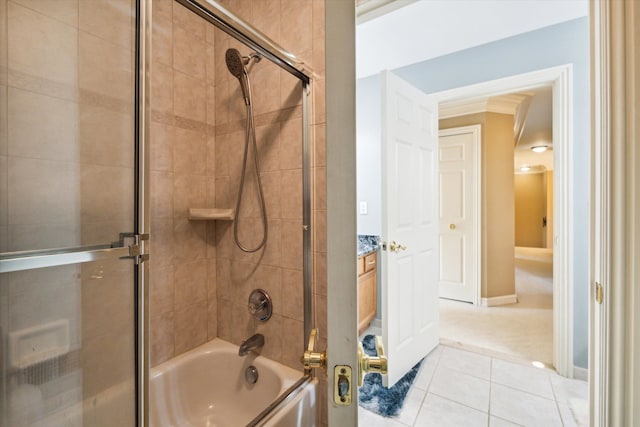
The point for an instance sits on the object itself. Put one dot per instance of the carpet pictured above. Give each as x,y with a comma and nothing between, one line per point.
377,398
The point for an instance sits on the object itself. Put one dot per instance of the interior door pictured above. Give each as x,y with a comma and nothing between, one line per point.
409,224
459,213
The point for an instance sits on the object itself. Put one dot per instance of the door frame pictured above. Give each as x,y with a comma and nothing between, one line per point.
476,207
341,81
560,79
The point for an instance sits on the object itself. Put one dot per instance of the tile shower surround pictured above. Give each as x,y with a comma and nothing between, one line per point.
200,280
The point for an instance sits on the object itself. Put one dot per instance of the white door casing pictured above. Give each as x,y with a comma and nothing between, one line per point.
410,218
459,168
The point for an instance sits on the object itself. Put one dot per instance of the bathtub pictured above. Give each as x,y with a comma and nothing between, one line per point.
206,387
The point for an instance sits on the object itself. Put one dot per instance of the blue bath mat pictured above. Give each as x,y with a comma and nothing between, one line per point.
377,398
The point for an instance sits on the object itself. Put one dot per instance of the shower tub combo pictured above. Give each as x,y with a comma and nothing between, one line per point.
212,386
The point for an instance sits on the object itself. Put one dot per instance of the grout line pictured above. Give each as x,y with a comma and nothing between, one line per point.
490,386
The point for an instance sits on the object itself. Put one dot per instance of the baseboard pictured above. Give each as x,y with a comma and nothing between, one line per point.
580,373
501,300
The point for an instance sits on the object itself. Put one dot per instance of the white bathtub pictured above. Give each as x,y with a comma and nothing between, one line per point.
206,387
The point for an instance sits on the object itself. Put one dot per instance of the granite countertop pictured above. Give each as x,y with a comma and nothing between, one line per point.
368,244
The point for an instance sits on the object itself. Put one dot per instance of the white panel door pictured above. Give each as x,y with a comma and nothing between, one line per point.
458,153
409,218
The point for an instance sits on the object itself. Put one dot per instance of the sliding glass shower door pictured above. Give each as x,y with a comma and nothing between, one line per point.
71,300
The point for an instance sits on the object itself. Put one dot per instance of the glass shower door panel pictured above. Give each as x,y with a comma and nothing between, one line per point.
67,180
68,347
67,135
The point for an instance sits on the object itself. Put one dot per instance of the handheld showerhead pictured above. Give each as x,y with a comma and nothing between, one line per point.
236,65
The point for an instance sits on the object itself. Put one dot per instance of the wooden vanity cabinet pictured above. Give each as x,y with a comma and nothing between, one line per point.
367,290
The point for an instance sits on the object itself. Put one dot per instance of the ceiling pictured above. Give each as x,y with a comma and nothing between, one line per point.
405,32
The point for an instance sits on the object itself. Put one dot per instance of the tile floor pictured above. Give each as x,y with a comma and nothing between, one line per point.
463,389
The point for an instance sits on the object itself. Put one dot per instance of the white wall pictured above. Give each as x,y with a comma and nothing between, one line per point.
368,152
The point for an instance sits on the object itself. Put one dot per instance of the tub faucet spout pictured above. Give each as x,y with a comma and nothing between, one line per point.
255,342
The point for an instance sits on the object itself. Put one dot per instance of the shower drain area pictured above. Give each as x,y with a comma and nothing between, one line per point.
251,375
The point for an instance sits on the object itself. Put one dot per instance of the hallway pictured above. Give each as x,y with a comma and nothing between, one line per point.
523,330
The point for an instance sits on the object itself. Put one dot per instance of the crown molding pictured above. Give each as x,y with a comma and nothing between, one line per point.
503,104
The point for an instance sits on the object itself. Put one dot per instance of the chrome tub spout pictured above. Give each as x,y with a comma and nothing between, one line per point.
255,342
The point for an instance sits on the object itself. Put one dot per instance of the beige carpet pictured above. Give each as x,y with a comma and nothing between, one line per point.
522,331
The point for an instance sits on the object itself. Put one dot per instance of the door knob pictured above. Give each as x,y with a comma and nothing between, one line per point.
312,359
396,247
452,226
368,363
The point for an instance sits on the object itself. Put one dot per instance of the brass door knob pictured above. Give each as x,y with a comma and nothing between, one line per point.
452,226
396,247
312,359
368,363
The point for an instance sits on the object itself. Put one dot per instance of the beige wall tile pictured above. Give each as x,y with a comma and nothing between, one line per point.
320,273
291,144
191,285
3,192
291,201
190,152
190,191
161,338
105,68
161,195
320,145
189,21
318,35
112,20
42,236
189,53
320,187
32,203
225,321
268,141
162,88
3,118
271,186
190,239
320,234
210,36
212,319
161,291
42,127
290,91
211,104
191,325
212,278
292,343
162,141
320,306
106,137
265,81
41,46
162,36
107,298
163,9
106,193
266,17
190,100
161,241
292,242
65,10
107,361
298,16
292,288
106,231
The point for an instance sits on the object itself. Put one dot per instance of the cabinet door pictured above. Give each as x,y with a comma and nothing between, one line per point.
366,300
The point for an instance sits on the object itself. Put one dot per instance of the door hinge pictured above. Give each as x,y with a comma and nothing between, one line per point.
599,292
135,246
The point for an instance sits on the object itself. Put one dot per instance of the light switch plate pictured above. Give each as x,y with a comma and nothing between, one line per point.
364,208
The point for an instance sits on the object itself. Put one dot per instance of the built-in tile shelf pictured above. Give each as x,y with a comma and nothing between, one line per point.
199,214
